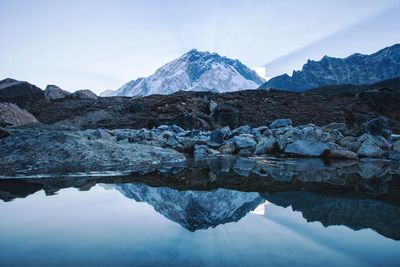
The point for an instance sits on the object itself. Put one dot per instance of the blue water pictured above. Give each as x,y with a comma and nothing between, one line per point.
138,225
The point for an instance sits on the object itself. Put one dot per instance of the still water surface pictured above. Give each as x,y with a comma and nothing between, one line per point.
134,224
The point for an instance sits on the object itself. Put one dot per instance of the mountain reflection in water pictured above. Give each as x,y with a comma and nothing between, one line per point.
200,195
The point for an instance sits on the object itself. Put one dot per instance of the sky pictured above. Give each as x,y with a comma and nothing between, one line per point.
99,45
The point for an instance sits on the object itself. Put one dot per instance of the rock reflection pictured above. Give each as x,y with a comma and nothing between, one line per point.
203,194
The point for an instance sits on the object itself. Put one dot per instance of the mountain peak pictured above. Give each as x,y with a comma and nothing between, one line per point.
355,69
195,71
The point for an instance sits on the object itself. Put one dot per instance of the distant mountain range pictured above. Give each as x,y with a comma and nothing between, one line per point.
194,71
356,69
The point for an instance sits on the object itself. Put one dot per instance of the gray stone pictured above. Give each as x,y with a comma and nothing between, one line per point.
245,129
84,94
377,126
189,144
259,130
177,129
282,141
172,142
370,149
380,141
350,143
12,115
212,106
201,151
244,141
306,148
217,136
335,136
339,126
55,151
167,134
101,133
266,145
395,137
280,123
53,92
228,148
314,134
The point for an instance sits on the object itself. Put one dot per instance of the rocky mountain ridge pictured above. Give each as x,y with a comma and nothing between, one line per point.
356,69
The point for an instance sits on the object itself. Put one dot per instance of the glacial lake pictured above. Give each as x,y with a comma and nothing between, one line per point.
217,212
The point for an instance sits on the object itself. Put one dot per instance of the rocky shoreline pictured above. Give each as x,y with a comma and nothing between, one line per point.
48,148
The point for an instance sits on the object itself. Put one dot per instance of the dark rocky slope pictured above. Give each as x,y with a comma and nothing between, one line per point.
204,110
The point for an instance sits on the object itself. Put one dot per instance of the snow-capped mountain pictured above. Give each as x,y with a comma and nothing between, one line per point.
355,69
194,210
194,71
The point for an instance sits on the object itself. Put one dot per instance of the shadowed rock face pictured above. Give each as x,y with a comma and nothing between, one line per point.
25,95
53,92
12,115
194,210
355,213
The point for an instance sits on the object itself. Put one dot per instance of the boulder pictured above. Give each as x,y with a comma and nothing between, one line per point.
315,134
189,144
12,115
307,148
259,130
212,106
266,145
172,142
370,149
350,143
380,141
75,151
244,141
228,148
395,137
53,92
377,126
217,136
84,94
201,151
280,123
282,141
244,129
25,95
335,136
339,126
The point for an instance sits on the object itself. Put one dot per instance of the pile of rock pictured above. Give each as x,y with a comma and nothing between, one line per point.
279,138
